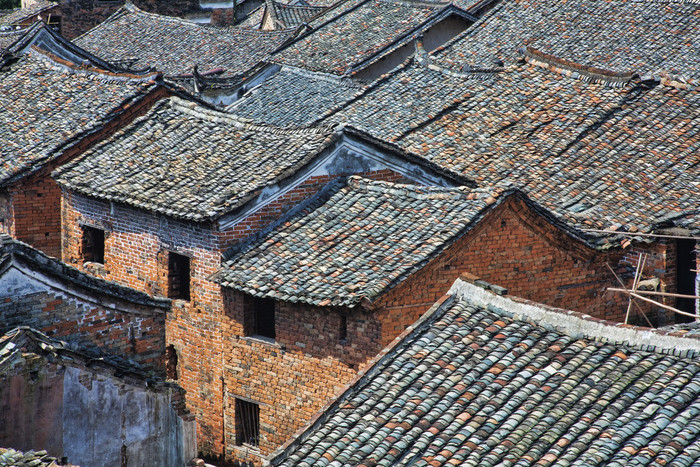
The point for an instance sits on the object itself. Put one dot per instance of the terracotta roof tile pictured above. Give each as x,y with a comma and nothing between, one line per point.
356,35
354,242
44,105
620,35
474,385
187,161
174,46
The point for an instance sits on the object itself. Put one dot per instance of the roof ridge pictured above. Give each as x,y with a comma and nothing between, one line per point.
59,64
410,190
576,324
193,108
577,71
343,80
131,8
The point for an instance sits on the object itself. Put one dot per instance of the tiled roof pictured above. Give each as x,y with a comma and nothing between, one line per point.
190,162
354,242
46,105
13,253
620,35
590,152
357,35
20,14
174,46
479,383
17,343
11,457
291,16
7,38
294,97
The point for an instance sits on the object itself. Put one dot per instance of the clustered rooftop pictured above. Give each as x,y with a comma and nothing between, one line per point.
585,114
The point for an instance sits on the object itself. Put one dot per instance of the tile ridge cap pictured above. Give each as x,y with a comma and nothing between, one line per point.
193,108
577,71
62,65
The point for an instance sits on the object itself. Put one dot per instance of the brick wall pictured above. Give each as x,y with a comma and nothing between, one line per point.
515,248
30,208
292,377
136,247
135,332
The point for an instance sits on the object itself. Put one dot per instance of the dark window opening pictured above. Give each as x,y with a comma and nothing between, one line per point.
93,245
178,276
171,362
343,328
685,278
247,423
264,317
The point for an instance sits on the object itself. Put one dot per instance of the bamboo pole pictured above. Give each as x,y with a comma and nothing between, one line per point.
649,292
675,310
627,291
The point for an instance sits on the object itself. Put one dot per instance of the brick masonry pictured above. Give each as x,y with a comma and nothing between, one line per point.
137,244
30,208
296,374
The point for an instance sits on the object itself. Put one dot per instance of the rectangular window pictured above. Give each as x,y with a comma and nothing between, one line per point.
178,276
265,317
343,331
247,423
93,245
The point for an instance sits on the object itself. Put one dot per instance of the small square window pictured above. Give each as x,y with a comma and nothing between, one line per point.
178,276
260,317
93,245
247,423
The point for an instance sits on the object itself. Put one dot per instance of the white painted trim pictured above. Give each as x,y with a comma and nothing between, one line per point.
361,152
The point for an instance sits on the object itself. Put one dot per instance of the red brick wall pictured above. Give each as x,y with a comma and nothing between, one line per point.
515,248
31,208
137,333
136,245
37,219
136,248
294,376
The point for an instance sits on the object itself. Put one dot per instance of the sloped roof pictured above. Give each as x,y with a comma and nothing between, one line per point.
357,35
47,104
291,16
12,457
294,97
13,252
190,162
584,145
354,242
648,36
18,342
489,381
15,17
174,46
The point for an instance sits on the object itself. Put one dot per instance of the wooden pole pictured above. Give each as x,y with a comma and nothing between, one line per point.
649,292
663,306
627,291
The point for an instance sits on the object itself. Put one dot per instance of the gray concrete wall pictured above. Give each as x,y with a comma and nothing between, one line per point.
109,423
